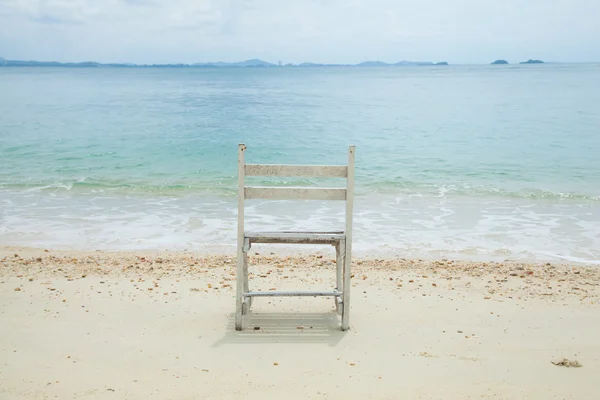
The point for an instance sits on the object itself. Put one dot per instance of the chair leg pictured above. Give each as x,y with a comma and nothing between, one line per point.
338,277
247,302
239,297
338,262
238,314
346,291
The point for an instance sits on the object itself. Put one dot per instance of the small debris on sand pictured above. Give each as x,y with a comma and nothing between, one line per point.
565,362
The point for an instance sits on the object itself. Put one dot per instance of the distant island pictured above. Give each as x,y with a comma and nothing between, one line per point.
253,63
532,62
248,63
500,62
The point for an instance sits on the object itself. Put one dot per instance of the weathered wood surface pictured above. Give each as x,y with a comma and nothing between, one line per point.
341,240
315,171
348,252
273,293
296,237
294,193
242,271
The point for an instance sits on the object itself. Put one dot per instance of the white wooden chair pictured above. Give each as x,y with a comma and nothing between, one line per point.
342,241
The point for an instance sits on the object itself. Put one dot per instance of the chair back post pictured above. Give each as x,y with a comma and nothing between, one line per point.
241,192
240,276
349,200
347,275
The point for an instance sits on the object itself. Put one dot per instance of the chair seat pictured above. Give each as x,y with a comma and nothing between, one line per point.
295,237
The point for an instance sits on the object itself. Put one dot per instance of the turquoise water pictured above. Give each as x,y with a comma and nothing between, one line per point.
460,161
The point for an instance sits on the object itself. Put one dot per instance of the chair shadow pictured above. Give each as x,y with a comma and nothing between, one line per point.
283,327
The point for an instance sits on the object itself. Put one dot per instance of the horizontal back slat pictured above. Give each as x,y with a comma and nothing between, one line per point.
318,171
294,193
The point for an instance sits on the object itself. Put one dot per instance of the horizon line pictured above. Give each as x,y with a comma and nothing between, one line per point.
280,64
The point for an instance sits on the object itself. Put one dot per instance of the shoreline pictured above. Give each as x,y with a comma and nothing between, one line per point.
23,261
297,251
466,228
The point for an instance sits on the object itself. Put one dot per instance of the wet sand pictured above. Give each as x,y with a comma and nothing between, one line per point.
138,325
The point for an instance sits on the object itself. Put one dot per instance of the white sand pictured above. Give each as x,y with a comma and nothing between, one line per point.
85,325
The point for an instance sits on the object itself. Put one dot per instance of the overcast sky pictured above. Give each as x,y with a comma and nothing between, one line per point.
336,31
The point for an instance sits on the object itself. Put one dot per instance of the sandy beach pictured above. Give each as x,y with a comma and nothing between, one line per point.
141,325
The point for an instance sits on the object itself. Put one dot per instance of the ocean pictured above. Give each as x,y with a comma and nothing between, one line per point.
464,162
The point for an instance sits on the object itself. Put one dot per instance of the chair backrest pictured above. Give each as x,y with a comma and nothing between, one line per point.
295,193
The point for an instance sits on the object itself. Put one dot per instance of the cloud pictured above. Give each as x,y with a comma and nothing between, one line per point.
142,2
67,11
299,30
